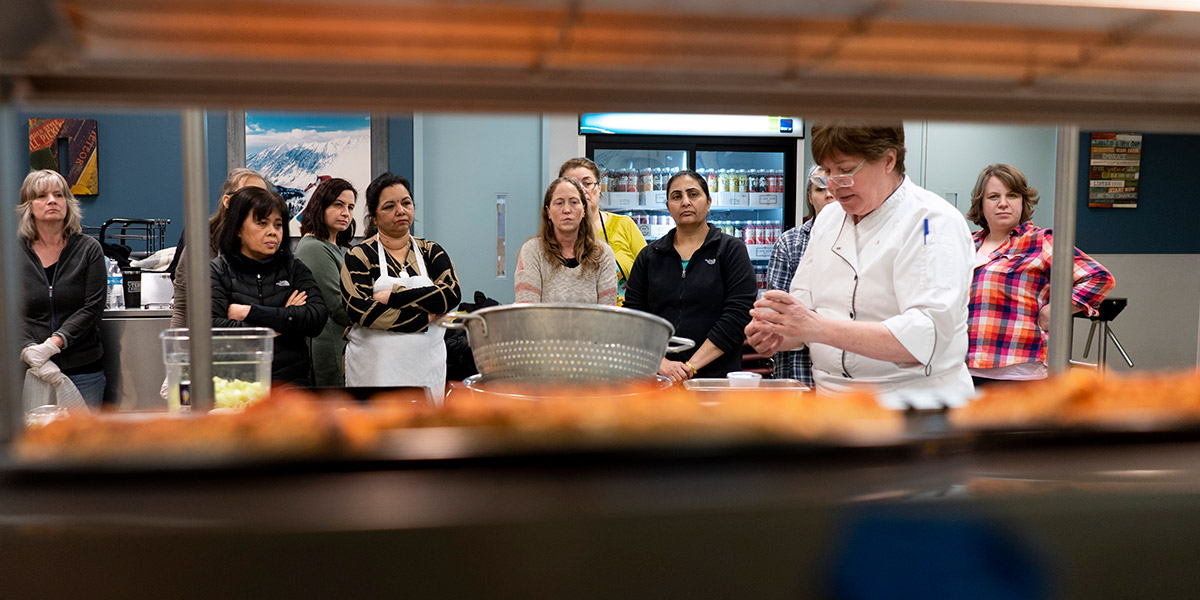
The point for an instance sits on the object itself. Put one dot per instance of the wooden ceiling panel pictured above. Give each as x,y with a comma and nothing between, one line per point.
644,53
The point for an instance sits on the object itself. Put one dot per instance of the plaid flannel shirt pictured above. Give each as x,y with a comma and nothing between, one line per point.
1009,290
785,258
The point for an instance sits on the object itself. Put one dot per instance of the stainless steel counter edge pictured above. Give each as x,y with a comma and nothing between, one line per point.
136,313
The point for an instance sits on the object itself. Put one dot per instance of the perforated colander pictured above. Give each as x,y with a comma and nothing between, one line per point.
567,342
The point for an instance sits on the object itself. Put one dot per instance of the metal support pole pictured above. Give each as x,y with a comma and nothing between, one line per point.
12,407
195,223
1062,268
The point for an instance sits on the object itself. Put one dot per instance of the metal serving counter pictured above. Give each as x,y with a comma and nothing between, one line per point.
133,362
1105,520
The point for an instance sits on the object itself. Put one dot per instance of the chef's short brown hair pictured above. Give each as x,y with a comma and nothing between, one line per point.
858,138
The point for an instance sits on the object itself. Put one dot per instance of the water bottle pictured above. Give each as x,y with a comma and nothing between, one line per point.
116,286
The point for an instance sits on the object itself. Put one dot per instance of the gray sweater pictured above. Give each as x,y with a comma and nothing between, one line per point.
540,280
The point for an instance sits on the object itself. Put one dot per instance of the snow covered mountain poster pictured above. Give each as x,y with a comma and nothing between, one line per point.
296,151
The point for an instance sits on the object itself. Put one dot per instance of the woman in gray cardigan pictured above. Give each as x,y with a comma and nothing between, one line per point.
327,225
62,273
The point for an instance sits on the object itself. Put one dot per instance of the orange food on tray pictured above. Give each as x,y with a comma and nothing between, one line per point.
1083,398
292,423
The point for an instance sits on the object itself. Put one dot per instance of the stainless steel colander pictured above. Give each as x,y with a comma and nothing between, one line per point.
571,342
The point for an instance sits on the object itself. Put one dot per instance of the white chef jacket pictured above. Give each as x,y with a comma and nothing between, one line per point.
907,264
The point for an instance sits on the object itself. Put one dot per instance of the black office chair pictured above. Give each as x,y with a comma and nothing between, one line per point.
1108,310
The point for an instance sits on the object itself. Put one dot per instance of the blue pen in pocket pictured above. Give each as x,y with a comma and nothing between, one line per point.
925,240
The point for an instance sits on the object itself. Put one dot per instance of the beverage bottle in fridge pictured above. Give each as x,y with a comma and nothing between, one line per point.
604,181
741,180
722,180
660,179
710,176
647,180
116,285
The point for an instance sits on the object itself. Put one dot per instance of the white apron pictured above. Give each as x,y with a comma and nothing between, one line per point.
376,358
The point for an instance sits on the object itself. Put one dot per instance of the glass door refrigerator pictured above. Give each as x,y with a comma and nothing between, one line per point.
751,172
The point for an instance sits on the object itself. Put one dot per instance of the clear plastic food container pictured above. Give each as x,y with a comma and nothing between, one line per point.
241,365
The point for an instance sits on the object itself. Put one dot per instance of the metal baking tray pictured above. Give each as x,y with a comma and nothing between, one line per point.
722,385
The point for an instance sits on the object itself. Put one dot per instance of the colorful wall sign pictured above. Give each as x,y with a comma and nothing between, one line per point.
80,164
1114,168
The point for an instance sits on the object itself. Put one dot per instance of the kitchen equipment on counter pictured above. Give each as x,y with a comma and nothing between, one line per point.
536,389
713,384
241,360
133,367
744,379
157,289
566,342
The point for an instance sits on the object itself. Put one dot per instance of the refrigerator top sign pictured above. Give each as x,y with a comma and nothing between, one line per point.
673,124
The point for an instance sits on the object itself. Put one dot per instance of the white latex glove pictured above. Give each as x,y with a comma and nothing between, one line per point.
37,354
50,373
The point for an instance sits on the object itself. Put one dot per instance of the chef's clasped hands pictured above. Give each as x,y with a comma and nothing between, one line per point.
780,322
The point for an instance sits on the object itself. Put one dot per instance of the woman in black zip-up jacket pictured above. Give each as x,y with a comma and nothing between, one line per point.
699,279
256,282
62,274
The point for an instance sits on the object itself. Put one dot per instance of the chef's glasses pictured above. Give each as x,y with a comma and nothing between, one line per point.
840,180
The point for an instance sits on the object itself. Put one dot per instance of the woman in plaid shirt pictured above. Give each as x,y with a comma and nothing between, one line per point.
1010,293
785,258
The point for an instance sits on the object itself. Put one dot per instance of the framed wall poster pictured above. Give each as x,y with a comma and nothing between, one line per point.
1114,170
299,150
79,143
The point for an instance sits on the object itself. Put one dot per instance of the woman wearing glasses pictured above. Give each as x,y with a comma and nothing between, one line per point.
618,231
785,259
699,279
880,297
564,262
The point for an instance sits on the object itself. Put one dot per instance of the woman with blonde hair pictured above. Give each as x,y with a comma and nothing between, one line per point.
64,282
565,262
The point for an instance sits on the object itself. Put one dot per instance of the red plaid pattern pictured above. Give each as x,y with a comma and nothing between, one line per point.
1010,289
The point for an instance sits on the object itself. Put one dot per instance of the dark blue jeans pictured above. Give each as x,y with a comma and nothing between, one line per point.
91,387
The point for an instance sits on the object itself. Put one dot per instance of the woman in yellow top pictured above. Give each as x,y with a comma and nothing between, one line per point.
618,231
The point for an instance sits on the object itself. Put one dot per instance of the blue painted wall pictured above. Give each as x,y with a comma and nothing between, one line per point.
400,146
1164,221
141,161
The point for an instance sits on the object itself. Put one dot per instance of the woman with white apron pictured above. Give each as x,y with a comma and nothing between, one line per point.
394,286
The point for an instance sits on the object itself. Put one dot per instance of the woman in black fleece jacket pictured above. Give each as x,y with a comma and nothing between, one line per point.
256,282
699,279
63,279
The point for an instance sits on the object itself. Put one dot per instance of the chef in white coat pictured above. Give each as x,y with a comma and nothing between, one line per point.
880,296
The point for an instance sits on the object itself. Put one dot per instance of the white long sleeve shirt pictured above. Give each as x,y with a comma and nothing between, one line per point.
907,264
